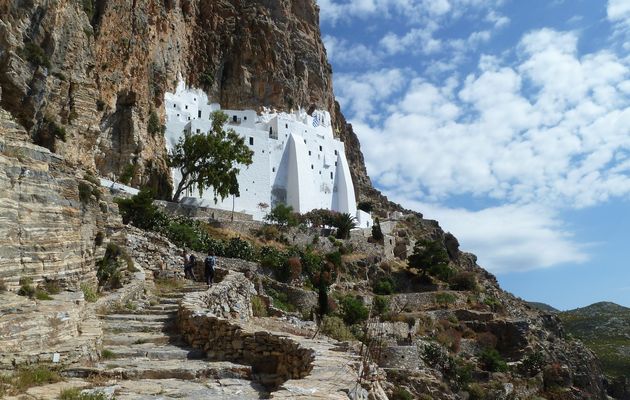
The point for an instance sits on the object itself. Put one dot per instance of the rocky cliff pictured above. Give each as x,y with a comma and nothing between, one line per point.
87,78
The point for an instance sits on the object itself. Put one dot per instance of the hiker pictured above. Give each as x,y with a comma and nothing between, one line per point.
188,267
210,262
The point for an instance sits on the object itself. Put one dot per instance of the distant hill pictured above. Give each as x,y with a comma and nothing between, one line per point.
605,328
543,307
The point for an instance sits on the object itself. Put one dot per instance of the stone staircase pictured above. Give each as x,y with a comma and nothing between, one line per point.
144,356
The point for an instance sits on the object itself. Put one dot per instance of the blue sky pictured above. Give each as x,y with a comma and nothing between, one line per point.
508,121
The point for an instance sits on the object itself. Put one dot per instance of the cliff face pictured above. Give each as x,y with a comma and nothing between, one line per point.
96,71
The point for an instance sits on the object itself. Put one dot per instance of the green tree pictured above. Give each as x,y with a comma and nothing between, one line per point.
428,255
344,224
377,233
210,160
283,215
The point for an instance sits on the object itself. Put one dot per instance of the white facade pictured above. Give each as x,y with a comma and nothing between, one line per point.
296,161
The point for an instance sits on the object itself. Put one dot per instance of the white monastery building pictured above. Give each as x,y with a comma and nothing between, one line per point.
296,161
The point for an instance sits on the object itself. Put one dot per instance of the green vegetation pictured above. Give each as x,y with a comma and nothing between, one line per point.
154,125
353,310
344,224
75,394
89,293
127,173
258,307
384,286
42,295
281,300
110,267
445,299
603,328
283,215
28,377
463,281
26,288
335,328
377,233
88,8
3,286
107,354
430,256
492,361
98,239
210,160
400,393
35,55
207,77
381,305
85,192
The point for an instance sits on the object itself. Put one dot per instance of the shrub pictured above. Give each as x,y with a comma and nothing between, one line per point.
85,192
77,394
353,310
207,77
442,271
92,179
26,288
384,286
35,376
334,258
3,286
154,126
533,364
445,299
381,305
268,232
377,233
463,281
492,361
89,293
281,300
283,215
42,295
335,328
108,268
239,248
259,309
52,286
450,338
98,239
476,392
294,266
401,394
127,174
428,255
494,304
35,55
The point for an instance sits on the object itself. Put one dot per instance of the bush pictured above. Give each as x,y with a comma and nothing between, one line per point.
428,255
442,271
377,233
42,295
76,394
492,361
283,215
381,305
445,299
476,392
26,288
239,248
384,286
335,328
89,293
85,192
281,300
353,310
344,223
401,394
52,286
533,364
98,239
34,376
109,268
259,309
334,258
3,286
35,55
127,174
463,281
154,126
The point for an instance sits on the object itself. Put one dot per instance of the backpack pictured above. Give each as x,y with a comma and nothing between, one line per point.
210,262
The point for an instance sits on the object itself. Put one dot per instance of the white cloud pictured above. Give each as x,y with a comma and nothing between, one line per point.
342,52
618,10
508,238
550,129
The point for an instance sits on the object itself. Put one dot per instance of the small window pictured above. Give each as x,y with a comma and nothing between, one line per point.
309,152
198,130
304,141
178,115
199,114
195,99
320,148
263,151
189,118
286,126
335,163
245,118
234,118
251,141
174,105
186,107
335,152
320,172
273,169
312,166
331,175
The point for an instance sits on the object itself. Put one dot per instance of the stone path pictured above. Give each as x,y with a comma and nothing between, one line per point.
146,358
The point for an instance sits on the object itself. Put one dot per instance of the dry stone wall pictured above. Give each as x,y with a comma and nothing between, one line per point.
203,320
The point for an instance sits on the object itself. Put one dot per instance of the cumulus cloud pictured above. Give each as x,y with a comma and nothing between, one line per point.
344,53
550,129
508,238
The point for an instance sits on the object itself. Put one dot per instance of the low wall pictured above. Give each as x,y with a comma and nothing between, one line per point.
203,321
202,213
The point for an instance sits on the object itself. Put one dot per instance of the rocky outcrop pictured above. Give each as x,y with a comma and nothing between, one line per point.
50,214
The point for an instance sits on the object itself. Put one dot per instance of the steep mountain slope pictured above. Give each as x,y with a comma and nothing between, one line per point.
543,307
86,79
605,328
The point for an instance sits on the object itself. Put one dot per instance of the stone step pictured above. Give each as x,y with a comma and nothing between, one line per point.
168,300
139,317
153,352
124,326
172,295
224,389
144,368
133,338
152,311
164,307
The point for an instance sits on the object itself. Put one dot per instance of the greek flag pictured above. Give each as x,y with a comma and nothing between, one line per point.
315,120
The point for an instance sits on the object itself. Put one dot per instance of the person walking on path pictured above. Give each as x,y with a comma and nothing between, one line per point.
189,264
210,262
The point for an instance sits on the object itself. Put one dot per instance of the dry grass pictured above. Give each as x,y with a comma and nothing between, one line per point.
25,378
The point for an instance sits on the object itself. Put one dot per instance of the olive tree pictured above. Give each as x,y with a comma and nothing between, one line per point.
210,159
